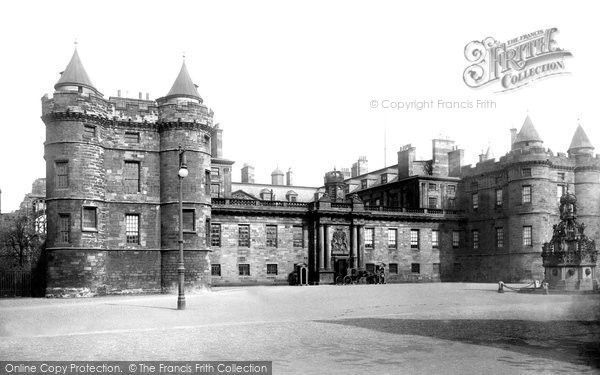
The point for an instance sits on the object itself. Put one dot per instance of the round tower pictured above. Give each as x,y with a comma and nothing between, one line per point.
75,183
587,181
185,122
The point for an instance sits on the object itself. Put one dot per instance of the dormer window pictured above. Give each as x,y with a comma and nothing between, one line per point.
266,194
291,196
384,179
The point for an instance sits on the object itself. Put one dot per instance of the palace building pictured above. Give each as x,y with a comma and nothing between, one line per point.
112,203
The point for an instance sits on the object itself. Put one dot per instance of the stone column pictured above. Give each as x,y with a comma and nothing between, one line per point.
353,247
361,249
321,248
327,255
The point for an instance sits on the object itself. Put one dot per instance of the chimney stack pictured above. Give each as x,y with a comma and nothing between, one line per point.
216,142
140,95
513,136
455,160
360,167
119,93
247,174
147,96
289,175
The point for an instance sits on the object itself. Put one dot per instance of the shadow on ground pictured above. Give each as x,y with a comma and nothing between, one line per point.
576,342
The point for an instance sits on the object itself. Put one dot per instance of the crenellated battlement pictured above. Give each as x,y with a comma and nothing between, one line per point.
169,111
73,101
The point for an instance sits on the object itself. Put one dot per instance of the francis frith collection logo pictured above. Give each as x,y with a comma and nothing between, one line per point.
515,63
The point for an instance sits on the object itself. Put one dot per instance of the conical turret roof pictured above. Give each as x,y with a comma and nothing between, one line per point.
183,85
580,139
75,74
528,133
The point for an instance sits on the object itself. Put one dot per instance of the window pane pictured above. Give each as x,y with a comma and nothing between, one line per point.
415,268
475,234
414,238
215,190
244,269
393,268
271,269
527,236
298,236
215,270
369,234
132,137
432,202
475,198
244,235
215,235
499,197
89,217
62,174
499,237
207,182
271,235
435,238
64,225
132,228
392,234
189,219
455,239
527,194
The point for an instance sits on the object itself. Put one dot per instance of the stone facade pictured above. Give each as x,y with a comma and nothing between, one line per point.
112,203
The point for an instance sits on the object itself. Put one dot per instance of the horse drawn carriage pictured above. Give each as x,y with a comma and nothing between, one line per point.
357,276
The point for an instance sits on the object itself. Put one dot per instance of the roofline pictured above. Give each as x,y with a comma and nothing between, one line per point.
57,85
290,186
180,96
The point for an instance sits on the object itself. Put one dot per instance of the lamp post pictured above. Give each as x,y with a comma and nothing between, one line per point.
182,173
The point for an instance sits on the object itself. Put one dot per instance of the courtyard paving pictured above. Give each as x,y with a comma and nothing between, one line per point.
448,328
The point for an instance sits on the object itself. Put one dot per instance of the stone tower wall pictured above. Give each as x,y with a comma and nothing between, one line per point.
188,126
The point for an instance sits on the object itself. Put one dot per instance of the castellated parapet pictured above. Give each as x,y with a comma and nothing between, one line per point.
516,198
112,187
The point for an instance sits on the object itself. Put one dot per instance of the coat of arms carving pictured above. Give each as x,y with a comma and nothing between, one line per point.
339,242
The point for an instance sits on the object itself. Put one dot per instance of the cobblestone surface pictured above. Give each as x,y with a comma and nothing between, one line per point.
397,328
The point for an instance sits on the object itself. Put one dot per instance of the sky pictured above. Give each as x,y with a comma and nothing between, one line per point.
292,83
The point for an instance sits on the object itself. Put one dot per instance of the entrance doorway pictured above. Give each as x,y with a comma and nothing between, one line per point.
340,268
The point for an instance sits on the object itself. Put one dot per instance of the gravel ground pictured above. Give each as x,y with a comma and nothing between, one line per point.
386,329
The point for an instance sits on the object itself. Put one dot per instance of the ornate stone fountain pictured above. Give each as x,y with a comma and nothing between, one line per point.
569,258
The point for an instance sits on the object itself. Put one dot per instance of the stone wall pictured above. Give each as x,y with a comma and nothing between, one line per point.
229,255
89,272
435,263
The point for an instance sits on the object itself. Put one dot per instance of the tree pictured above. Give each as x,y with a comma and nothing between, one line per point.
22,238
